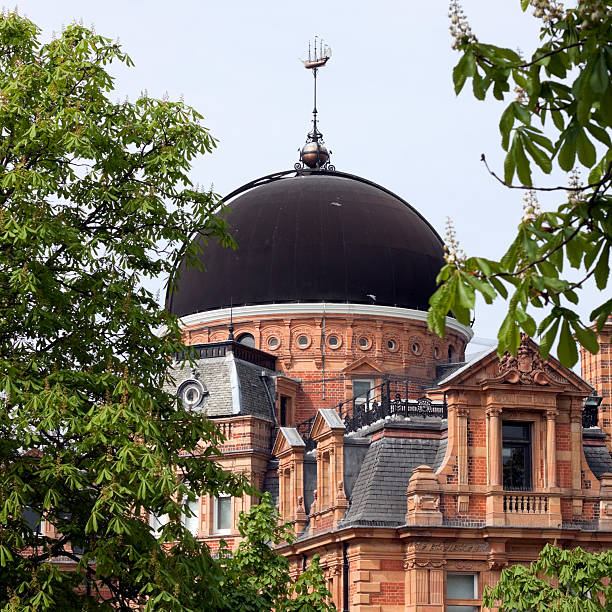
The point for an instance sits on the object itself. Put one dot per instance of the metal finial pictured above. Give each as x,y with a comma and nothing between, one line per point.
314,153
230,336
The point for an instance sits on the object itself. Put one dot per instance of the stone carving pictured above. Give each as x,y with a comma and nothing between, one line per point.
459,547
424,502
341,493
527,367
428,564
300,505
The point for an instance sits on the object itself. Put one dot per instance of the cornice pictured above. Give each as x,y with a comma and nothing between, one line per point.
318,309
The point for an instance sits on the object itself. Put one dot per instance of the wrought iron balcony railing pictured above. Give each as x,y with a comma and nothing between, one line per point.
387,400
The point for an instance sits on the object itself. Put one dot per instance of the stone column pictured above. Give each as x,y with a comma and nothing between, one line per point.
551,447
495,446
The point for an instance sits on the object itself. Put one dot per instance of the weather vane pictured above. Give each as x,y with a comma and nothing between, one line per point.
314,153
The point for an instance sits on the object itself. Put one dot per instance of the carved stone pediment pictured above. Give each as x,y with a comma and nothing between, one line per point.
528,367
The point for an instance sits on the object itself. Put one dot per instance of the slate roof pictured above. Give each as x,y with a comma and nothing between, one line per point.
599,459
379,494
234,386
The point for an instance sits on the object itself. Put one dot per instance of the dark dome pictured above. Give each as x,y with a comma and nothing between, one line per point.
315,237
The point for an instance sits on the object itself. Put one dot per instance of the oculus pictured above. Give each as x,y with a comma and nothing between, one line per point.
192,393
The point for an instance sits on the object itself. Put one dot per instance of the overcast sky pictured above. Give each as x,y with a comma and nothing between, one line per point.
387,108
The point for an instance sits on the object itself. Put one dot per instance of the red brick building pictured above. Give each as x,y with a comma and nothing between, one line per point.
416,475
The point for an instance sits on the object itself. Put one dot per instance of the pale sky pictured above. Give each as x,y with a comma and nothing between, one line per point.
387,108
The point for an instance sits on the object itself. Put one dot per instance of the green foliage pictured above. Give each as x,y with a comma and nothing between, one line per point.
94,197
559,581
568,83
257,578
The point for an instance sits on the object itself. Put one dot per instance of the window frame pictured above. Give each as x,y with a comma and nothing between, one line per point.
363,399
526,444
215,515
451,602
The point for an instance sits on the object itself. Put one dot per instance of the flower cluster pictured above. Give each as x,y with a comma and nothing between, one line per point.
453,254
548,10
575,197
459,28
531,207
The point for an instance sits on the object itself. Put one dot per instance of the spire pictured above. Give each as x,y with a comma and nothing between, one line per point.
314,153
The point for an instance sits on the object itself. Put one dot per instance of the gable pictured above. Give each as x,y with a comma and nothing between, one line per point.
527,368
364,366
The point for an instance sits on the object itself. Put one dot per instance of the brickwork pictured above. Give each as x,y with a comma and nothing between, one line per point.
597,370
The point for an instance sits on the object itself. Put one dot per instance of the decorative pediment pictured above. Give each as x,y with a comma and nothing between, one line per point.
364,365
287,440
526,368
326,421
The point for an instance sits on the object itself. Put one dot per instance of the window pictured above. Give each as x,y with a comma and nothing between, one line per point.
362,391
303,341
364,343
192,394
516,455
247,340
333,341
461,591
222,514
156,522
34,520
283,411
192,522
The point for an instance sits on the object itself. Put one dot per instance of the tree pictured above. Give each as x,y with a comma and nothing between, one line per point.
562,116
94,197
257,578
559,581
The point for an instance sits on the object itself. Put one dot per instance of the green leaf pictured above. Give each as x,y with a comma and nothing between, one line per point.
538,156
523,168
549,337
466,67
567,153
602,269
509,168
566,350
599,79
505,126
587,337
586,150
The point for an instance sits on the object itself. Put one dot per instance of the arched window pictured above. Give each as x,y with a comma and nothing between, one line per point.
247,340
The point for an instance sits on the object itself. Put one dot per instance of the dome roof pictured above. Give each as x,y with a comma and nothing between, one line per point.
315,237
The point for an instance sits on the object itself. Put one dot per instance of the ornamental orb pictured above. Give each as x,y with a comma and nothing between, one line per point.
314,154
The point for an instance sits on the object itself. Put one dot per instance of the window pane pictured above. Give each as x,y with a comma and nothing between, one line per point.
461,609
224,516
362,388
247,340
516,462
192,523
157,522
515,431
32,518
460,586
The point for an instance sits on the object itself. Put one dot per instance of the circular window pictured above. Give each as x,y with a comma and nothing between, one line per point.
416,348
303,341
192,393
392,345
273,342
247,340
333,341
364,343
